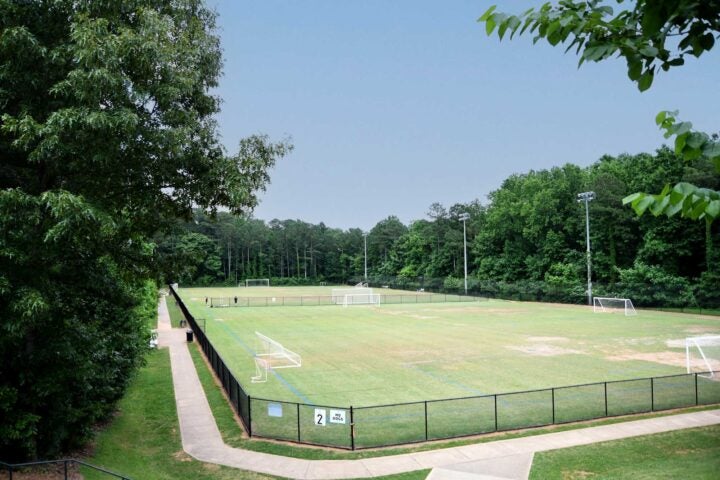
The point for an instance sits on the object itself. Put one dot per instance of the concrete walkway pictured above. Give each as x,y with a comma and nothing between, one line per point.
503,459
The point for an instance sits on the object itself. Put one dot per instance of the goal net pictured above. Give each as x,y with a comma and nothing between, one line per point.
219,302
702,354
338,294
361,299
257,282
275,354
261,370
612,305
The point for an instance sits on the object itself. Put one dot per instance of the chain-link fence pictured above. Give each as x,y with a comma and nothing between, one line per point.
318,300
355,428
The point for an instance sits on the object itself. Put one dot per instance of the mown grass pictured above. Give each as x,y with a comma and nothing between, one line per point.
143,440
364,356
233,434
693,453
174,311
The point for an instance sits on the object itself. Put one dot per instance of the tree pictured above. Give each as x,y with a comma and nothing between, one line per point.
652,35
106,134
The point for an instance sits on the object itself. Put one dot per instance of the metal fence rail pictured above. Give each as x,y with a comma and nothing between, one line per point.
355,428
317,300
65,463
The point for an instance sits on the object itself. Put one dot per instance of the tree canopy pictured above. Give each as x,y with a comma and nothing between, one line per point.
106,132
651,36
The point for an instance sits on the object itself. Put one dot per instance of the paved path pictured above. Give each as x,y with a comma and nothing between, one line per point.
503,459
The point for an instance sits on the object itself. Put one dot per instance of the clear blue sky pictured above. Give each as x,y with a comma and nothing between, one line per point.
394,105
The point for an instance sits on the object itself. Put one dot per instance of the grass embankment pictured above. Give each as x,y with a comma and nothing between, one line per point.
143,440
175,313
693,453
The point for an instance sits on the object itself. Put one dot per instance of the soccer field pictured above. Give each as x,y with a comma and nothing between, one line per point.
366,355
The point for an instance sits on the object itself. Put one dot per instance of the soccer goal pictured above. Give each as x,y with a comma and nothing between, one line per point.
702,354
257,282
338,294
361,285
612,305
261,370
361,299
275,354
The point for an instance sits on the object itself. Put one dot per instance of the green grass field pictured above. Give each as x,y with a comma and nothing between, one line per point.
365,355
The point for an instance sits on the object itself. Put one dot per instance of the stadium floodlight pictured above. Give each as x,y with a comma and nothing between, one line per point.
365,234
465,217
587,197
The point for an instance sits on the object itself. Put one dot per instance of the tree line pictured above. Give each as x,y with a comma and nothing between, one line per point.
531,230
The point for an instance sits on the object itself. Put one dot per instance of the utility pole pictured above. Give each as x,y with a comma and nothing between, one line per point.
587,197
365,234
465,217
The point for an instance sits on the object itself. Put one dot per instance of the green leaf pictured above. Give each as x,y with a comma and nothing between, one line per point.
713,209
642,204
645,81
660,117
649,51
634,69
696,139
489,26
631,198
485,16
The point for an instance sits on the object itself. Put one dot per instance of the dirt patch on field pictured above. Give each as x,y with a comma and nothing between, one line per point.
675,359
543,350
548,339
407,313
702,330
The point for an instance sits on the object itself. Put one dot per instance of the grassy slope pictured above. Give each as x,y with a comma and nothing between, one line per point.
688,454
143,440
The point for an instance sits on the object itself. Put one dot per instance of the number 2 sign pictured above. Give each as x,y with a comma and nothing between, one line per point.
320,416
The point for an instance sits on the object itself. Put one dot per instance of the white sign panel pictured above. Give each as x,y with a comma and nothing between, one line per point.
274,410
337,416
320,416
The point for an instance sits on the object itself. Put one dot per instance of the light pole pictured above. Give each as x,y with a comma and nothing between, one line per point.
465,217
365,234
587,197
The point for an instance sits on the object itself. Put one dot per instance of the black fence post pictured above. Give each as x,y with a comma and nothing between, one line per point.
606,407
352,429
249,425
297,409
496,424
553,405
65,469
426,422
652,394
697,400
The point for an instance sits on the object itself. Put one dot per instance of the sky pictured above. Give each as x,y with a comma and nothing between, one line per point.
395,105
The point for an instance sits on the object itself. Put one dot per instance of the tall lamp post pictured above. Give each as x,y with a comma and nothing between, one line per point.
587,197
365,234
465,217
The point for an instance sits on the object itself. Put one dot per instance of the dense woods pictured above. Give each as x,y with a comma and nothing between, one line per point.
106,134
528,237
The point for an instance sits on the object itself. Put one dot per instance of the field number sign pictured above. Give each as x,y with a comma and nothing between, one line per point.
320,416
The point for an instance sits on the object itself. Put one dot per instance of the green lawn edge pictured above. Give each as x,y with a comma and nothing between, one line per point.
692,453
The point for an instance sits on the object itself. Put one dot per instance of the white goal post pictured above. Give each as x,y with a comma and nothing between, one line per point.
338,294
275,354
702,354
257,282
612,305
361,299
261,370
